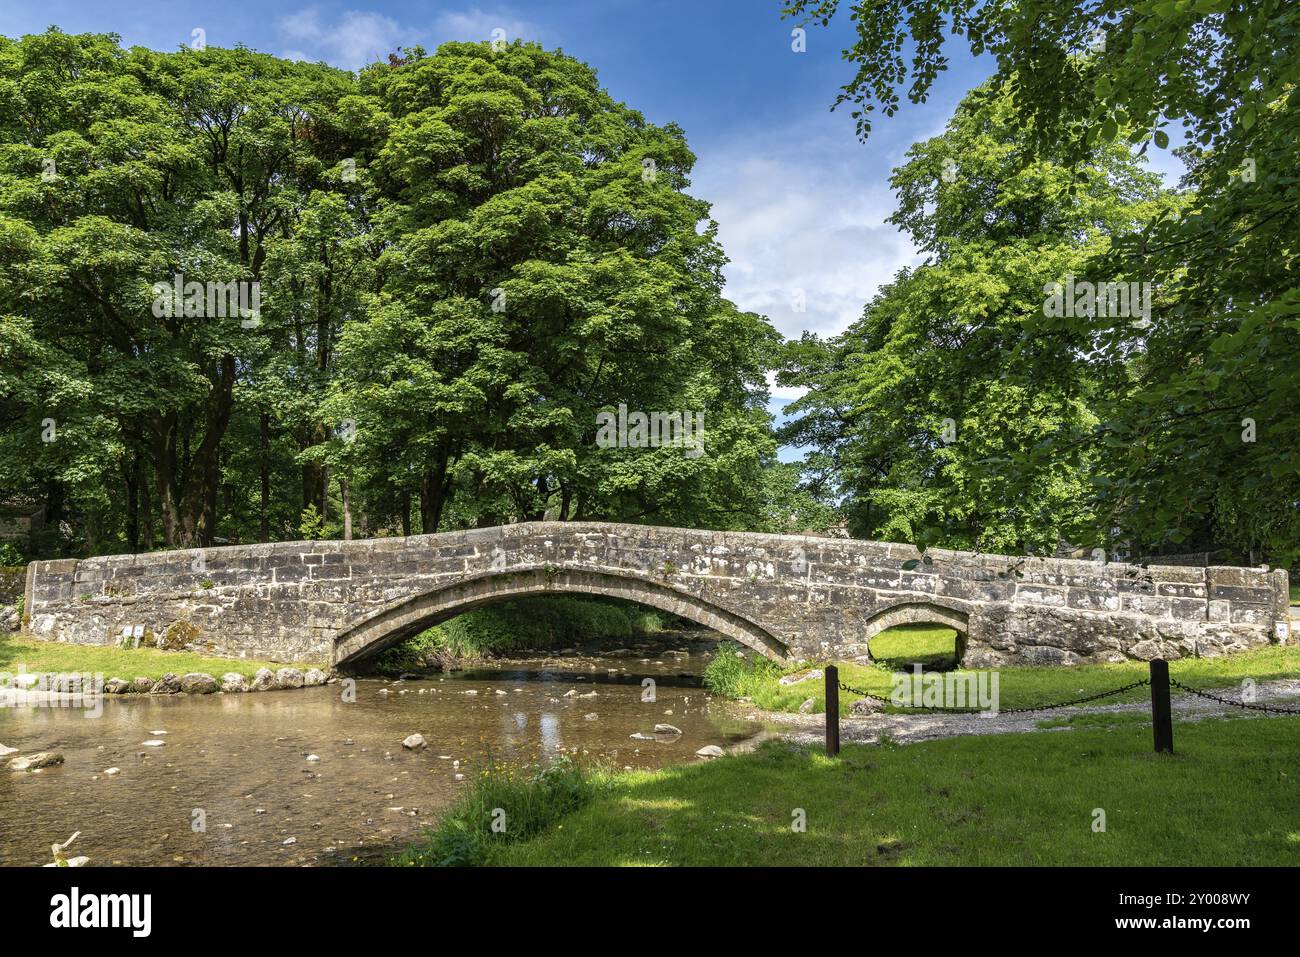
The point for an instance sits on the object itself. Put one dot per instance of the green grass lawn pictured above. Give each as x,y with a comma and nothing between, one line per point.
1015,799
900,646
1019,687
112,662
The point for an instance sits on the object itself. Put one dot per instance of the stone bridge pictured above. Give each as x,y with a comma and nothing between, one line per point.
789,597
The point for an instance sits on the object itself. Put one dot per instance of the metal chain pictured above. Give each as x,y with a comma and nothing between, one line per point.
1045,707
1270,709
1236,704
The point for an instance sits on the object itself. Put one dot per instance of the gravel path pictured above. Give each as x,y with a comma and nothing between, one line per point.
811,728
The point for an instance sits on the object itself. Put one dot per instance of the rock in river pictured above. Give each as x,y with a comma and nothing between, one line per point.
36,761
167,684
196,682
414,742
314,677
710,751
233,682
288,678
263,680
142,685
667,729
116,686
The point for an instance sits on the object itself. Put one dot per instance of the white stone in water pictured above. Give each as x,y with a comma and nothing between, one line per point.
157,733
151,743
290,840
313,757
112,771
667,729
710,751
414,742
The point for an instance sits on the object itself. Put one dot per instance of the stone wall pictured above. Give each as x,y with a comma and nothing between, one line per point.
792,597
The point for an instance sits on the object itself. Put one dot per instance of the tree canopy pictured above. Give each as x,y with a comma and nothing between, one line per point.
457,261
1190,440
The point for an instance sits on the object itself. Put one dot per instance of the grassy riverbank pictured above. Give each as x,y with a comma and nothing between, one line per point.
1014,799
112,662
751,676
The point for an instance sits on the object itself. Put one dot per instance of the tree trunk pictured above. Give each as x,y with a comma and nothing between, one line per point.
265,530
146,510
431,490
347,509
131,476
164,458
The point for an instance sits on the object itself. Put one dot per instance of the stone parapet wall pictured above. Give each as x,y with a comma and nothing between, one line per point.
793,597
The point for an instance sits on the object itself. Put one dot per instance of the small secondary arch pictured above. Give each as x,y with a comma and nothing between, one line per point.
920,613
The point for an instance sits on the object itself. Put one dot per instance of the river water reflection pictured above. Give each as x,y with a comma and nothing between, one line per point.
233,783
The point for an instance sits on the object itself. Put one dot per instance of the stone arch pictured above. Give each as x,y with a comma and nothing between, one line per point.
411,616
936,611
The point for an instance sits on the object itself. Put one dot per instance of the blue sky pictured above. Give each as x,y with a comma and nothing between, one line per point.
800,202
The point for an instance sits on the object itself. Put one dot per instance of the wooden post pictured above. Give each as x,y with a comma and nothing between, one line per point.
832,711
1160,714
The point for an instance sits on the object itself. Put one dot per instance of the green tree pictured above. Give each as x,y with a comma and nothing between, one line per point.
932,404
542,262
1197,411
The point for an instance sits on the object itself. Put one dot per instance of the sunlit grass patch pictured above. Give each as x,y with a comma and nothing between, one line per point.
977,801
35,656
931,646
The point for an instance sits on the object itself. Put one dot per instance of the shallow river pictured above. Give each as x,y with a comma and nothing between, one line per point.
233,784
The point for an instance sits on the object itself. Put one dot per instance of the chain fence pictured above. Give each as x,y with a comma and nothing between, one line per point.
1198,692
1201,693
1044,707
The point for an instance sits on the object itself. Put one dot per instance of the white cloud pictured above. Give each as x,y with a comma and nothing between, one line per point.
354,38
782,394
802,215
479,25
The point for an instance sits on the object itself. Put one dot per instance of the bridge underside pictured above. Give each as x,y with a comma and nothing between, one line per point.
423,611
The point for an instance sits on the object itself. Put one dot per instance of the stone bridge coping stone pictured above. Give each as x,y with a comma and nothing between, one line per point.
625,534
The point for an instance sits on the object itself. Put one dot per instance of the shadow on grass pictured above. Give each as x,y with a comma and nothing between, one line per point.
985,801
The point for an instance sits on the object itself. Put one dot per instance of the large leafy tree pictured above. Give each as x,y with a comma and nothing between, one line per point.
542,262
462,258
932,403
1217,367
